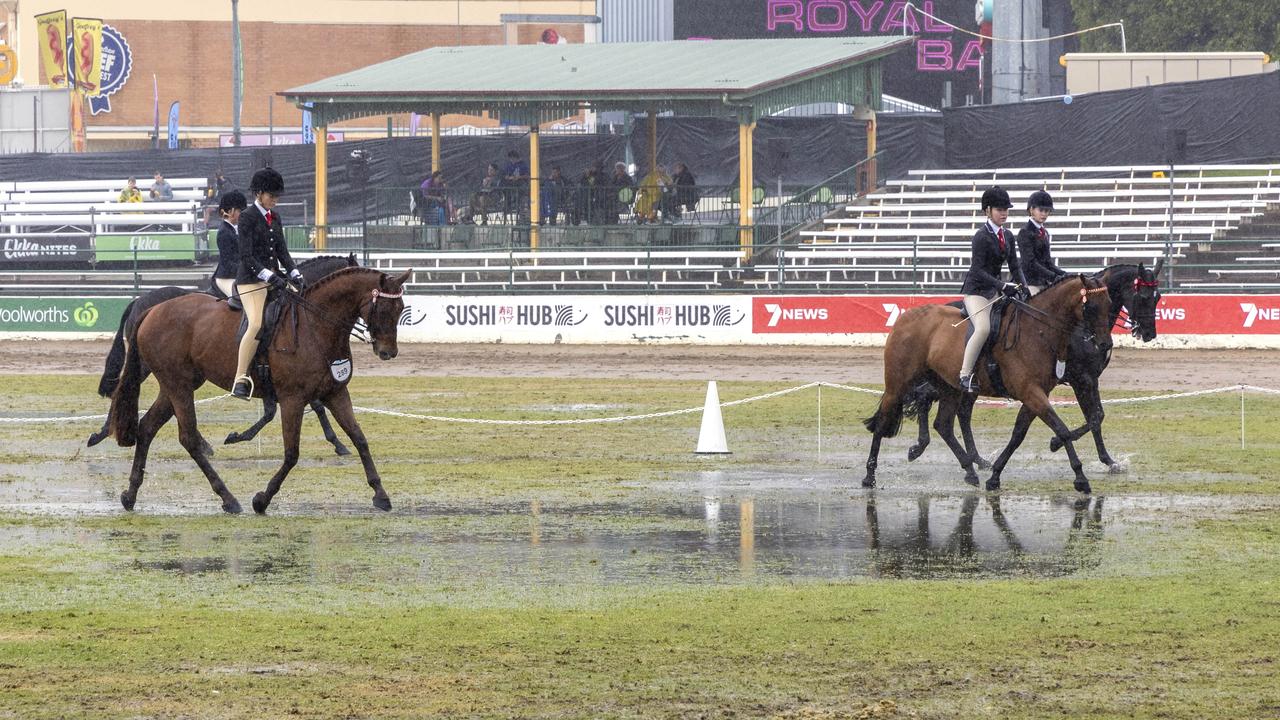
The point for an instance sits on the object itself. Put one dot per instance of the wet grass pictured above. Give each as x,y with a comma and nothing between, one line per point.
343,612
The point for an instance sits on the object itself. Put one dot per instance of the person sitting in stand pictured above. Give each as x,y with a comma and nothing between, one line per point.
130,193
587,198
1033,244
230,206
654,187
555,194
993,246
161,190
263,255
515,179
435,201
615,202
686,195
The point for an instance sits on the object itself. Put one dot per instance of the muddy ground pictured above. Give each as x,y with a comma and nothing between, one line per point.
1136,369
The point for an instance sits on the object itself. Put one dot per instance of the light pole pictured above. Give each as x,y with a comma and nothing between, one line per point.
237,74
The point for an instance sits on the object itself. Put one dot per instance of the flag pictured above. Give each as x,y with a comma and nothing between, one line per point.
86,36
414,119
155,112
51,28
173,126
79,142
308,133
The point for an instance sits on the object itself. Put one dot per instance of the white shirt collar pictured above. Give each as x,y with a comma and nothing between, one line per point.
231,225
1035,224
995,229
261,209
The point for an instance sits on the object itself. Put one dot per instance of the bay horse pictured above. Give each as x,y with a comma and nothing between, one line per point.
312,270
1133,289
191,339
927,342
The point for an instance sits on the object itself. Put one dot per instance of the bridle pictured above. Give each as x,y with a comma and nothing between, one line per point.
357,332
1043,317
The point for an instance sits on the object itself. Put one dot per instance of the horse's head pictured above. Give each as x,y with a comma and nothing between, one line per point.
1142,297
381,314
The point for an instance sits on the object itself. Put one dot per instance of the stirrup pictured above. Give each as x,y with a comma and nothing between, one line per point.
968,383
236,383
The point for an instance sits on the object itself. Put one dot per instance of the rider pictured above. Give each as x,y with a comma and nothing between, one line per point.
230,206
1033,244
992,248
262,253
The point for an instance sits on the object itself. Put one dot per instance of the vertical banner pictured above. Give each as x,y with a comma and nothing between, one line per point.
155,112
173,126
51,29
414,120
86,35
79,141
308,132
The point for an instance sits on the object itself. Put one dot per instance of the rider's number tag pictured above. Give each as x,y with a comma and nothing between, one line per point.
341,370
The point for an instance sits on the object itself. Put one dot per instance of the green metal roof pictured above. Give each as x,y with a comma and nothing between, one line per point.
527,83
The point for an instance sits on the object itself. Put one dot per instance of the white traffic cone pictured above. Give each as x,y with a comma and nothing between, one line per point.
711,440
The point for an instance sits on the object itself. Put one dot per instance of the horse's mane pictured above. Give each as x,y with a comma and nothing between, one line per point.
344,272
350,260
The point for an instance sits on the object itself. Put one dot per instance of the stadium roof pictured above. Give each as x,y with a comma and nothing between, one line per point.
527,83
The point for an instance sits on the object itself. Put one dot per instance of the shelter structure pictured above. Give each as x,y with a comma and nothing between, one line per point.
535,84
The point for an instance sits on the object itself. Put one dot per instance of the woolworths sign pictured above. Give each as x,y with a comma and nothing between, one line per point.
146,246
23,315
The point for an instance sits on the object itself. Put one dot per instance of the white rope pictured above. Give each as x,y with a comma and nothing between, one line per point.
913,6
682,411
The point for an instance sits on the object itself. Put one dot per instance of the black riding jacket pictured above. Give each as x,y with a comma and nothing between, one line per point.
1037,261
987,261
261,246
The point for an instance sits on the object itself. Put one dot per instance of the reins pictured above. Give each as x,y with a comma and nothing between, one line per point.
323,315
1014,328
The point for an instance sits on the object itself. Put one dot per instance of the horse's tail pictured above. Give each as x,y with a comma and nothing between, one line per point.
115,358
886,422
124,402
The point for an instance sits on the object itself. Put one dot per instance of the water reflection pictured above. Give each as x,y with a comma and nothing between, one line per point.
686,539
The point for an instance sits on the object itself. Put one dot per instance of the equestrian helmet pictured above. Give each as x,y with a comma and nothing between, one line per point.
996,197
1040,199
267,180
232,200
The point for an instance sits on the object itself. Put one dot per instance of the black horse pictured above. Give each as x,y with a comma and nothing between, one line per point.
1133,288
312,270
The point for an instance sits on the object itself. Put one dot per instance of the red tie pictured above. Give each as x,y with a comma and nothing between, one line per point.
269,223
1000,237
1042,233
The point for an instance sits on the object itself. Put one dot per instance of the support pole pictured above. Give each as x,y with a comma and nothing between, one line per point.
868,116
535,192
746,177
435,141
653,140
322,185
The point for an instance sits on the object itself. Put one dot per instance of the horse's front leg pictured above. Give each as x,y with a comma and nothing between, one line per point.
1025,416
340,405
1041,407
290,432
1085,389
268,414
318,408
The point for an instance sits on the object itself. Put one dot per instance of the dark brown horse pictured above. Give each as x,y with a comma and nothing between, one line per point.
1132,288
927,343
192,339
312,270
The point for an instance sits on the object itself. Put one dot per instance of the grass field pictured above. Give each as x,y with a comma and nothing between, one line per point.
327,608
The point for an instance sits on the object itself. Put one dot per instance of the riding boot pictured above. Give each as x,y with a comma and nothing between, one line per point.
243,388
969,384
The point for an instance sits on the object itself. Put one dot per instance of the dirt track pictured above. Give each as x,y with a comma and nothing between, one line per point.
1135,369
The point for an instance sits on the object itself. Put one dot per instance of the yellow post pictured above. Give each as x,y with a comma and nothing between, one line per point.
868,115
746,178
535,204
322,186
653,141
435,141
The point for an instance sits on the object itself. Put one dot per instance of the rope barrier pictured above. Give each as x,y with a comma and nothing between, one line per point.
683,411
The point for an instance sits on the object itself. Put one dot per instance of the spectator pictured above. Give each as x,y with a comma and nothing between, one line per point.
556,194
652,193
515,178
221,185
130,193
686,195
160,189
487,199
618,202
435,199
587,198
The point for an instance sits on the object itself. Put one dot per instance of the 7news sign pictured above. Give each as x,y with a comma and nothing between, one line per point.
829,314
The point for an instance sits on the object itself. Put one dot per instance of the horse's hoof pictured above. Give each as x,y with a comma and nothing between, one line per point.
341,449
1116,468
993,483
1055,444
94,439
260,503
127,501
868,482
915,452
981,462
231,506
1083,486
382,503
232,439
971,478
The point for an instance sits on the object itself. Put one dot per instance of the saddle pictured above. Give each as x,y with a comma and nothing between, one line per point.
985,358
233,302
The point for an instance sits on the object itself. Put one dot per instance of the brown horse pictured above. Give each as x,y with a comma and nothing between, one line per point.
191,339
927,344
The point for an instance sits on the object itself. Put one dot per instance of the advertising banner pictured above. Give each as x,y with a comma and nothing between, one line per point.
147,246
117,64
51,34
86,36
173,125
45,249
79,315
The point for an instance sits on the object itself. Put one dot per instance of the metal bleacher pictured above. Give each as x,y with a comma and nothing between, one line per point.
915,232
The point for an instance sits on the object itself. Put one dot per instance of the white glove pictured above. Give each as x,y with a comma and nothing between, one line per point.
264,274
295,274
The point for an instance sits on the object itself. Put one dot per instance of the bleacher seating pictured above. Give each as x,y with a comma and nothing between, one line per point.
915,232
91,207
